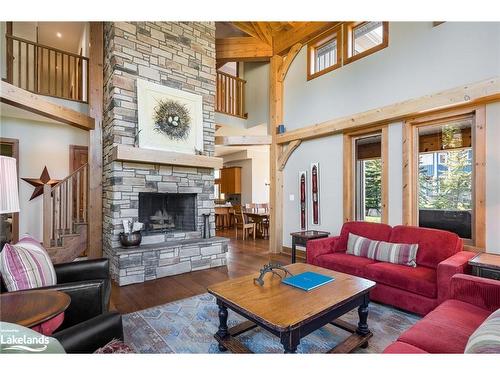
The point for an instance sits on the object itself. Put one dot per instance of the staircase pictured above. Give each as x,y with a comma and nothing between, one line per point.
65,224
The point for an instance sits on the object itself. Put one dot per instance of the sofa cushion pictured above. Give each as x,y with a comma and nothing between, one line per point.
342,262
404,254
399,347
373,231
419,280
434,245
26,265
486,339
447,328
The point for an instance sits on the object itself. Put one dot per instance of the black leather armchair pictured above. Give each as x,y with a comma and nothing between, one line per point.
89,286
92,334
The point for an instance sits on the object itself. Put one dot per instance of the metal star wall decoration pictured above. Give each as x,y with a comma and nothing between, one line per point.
39,182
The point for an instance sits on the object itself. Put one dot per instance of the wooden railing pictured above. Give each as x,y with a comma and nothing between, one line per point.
46,70
65,205
230,98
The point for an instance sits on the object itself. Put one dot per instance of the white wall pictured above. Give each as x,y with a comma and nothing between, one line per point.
493,178
420,60
40,144
257,93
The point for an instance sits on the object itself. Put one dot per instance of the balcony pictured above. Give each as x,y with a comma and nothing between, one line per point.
46,70
230,95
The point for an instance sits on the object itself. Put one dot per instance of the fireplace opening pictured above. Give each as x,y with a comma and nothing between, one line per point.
167,212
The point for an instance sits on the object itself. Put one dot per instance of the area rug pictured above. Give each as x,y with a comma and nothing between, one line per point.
188,326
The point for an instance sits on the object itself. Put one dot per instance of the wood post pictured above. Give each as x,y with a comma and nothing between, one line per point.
95,99
47,215
276,175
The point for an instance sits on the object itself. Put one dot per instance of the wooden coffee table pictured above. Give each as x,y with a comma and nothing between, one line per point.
291,313
32,307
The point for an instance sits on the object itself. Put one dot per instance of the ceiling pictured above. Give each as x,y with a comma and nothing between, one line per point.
70,33
227,30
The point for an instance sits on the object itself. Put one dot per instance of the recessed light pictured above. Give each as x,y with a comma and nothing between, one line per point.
59,35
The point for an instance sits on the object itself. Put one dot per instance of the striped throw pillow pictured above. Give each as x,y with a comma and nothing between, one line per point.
26,265
396,253
486,338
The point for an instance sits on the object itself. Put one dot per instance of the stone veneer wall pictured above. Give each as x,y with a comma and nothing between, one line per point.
175,54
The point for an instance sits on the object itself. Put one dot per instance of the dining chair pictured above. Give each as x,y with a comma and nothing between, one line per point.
242,223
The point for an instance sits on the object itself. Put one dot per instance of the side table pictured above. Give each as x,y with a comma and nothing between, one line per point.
301,238
486,265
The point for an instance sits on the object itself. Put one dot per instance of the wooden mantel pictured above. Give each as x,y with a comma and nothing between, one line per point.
143,155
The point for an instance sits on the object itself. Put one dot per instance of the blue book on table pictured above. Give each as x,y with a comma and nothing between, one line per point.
308,280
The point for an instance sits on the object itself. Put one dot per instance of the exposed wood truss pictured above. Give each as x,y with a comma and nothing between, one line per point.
288,61
259,30
472,94
243,140
242,49
301,32
12,95
287,152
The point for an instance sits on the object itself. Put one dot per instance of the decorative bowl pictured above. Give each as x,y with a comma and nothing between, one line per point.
130,239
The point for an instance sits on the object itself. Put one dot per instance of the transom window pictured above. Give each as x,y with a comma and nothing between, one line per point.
323,54
366,36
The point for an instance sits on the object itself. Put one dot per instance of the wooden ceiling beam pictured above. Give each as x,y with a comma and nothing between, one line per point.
243,140
301,32
473,94
264,30
17,97
242,49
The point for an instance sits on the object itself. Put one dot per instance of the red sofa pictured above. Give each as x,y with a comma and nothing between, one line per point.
447,328
418,289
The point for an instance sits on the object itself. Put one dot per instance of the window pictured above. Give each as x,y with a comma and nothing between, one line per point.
344,44
368,178
365,175
445,173
323,54
364,38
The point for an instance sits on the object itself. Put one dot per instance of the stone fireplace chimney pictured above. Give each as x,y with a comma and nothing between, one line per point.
180,55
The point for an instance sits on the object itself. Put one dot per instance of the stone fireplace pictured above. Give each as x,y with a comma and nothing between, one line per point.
170,199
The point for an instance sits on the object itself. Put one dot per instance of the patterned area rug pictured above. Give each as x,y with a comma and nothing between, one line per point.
188,326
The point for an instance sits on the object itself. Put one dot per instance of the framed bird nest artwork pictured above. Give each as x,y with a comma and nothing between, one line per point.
169,119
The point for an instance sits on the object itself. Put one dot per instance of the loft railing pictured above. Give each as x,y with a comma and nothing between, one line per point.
46,70
65,205
230,98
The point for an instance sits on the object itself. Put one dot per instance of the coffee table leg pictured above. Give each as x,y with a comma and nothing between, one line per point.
363,320
290,341
223,330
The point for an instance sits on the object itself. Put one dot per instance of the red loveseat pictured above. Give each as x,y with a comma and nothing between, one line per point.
448,327
418,289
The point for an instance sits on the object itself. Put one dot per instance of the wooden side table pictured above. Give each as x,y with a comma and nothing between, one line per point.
301,238
486,265
30,308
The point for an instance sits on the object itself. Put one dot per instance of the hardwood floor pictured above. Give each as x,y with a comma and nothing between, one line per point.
243,257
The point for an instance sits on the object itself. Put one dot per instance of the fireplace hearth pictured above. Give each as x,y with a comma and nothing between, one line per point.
167,212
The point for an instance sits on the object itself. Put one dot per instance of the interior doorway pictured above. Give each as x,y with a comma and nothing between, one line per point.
9,223
78,156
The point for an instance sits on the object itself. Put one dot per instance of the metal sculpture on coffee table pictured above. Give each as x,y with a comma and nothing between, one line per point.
273,268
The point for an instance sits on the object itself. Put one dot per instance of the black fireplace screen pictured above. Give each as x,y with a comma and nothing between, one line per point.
166,212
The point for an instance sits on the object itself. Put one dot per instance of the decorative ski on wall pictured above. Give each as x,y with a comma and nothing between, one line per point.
315,192
303,199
